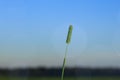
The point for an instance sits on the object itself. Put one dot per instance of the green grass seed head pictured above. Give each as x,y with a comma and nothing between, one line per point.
67,41
69,34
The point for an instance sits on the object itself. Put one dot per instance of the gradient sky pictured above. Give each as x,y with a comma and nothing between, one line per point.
33,33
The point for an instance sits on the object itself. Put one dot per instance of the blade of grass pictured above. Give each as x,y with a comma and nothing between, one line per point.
67,42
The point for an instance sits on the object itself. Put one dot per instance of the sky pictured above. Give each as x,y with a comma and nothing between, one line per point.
33,33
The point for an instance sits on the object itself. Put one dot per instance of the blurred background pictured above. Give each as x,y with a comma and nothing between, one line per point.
33,35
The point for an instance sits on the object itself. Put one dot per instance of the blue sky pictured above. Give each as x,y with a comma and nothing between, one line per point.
33,32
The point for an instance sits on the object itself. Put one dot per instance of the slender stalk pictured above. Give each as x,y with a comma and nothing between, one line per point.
64,62
67,42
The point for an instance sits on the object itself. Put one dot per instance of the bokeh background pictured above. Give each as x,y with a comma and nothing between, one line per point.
33,33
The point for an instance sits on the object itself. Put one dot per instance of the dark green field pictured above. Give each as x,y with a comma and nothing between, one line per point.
50,78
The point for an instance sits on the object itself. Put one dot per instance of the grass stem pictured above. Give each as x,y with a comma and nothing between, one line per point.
64,62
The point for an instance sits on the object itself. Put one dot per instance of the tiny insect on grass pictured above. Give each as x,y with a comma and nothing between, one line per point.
67,42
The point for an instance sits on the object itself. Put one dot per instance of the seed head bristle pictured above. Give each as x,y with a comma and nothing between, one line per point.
69,34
